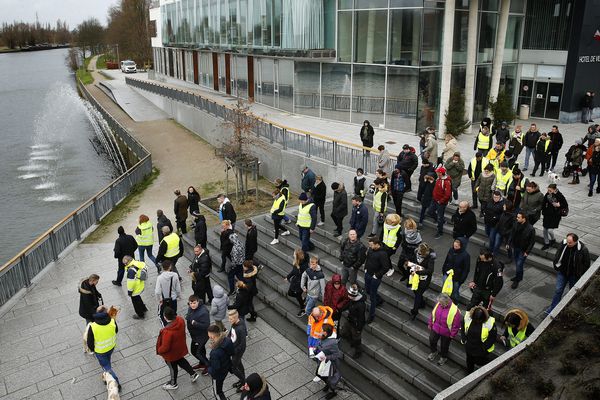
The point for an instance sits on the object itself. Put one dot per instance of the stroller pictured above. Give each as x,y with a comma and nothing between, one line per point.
569,168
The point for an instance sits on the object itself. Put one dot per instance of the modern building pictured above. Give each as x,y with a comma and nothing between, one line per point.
392,62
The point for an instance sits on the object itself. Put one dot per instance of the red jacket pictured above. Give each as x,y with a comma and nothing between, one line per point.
442,191
335,298
171,343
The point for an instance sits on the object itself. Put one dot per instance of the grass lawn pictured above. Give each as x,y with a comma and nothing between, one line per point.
101,62
85,76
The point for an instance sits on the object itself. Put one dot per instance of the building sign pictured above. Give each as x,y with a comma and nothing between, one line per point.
589,59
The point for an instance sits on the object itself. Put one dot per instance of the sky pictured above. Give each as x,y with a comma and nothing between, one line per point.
72,11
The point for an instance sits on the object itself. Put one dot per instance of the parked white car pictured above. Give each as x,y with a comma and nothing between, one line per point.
128,66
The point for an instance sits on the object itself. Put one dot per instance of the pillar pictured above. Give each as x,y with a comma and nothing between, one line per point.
447,42
471,59
499,50
370,37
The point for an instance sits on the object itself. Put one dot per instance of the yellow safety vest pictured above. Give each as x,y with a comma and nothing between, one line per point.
483,141
448,285
136,286
390,236
451,315
414,280
145,237
545,144
503,181
513,339
105,336
277,203
304,218
377,202
172,241
485,329
484,163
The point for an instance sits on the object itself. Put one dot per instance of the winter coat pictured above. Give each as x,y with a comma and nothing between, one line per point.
167,281
442,191
455,171
458,261
201,265
440,326
340,204
594,162
431,147
335,298
384,161
492,212
515,195
485,183
502,135
450,148
218,308
314,282
366,135
359,219
505,223
472,339
465,225
198,322
220,359
399,182
531,204
411,239
125,245
356,312
249,278
407,161
242,301
428,264
89,299
171,344
308,181
294,278
319,193
488,276
193,199
329,347
251,245
226,211
237,334
163,221
523,236
261,394
576,154
200,231
353,254
515,146
425,193
225,243
359,186
557,142
552,214
531,138
581,260
180,207
377,262
541,153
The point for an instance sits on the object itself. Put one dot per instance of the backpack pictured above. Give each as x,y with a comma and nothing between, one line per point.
238,253
144,274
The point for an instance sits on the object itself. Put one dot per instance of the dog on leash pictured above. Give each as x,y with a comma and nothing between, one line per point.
111,386
553,177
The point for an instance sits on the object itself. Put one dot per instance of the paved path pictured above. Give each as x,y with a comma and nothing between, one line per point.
134,104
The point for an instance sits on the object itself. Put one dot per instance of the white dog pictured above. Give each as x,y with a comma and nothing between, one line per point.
111,386
553,177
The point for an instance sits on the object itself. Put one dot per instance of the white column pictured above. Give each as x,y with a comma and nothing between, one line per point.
370,37
446,63
499,51
471,59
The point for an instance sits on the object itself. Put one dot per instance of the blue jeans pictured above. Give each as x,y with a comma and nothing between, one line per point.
311,302
455,296
371,287
528,153
561,284
147,249
495,239
593,178
304,233
436,211
236,271
519,262
104,361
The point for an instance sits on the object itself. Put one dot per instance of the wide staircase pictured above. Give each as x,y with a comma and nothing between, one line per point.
394,363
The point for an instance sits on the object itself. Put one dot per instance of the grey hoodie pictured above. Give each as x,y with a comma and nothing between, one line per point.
314,282
163,282
218,310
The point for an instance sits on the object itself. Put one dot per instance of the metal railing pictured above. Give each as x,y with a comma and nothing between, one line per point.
18,272
334,151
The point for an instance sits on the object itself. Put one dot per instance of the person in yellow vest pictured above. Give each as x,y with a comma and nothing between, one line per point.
380,201
307,220
137,274
145,237
496,155
391,236
278,214
171,248
478,334
476,166
101,339
518,328
444,324
483,141
542,155
503,178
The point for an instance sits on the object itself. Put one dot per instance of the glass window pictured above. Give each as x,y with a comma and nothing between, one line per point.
434,3
547,27
462,4
406,3
306,88
371,4
513,38
370,36
345,4
241,76
257,22
482,91
405,36
508,78
265,84
458,79
266,25
401,101
368,94
429,95
489,5
487,37
329,23
335,92
285,84
431,52
461,28
345,36
517,6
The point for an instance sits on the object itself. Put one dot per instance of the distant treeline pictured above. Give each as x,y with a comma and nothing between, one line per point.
22,34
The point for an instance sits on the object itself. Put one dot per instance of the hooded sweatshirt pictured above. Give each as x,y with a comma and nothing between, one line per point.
459,261
165,282
218,309
171,344
314,282
335,298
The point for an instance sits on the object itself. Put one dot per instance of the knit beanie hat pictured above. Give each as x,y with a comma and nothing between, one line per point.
254,382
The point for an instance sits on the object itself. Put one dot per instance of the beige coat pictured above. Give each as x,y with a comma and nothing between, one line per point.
431,148
450,148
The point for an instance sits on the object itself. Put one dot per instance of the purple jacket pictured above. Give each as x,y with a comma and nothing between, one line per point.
441,326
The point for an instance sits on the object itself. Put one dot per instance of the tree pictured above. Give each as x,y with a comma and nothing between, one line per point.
128,27
456,123
90,34
502,109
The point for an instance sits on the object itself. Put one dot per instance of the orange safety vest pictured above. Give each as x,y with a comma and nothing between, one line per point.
316,327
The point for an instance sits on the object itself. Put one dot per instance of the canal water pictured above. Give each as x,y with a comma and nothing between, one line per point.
48,164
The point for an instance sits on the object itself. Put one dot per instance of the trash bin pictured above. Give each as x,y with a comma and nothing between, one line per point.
524,112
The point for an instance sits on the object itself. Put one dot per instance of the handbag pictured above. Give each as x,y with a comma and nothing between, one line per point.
324,369
564,211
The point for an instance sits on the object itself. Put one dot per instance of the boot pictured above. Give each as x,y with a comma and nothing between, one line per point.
573,182
577,179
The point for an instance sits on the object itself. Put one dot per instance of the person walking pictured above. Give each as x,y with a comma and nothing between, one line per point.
557,142
491,215
313,284
89,298
359,184
483,186
571,261
455,168
530,141
359,219
125,245
101,339
238,253
137,274
294,279
193,200
170,249
377,263
431,147
487,280
255,388
464,222
407,163
278,215
398,187
444,324
366,135
145,238
541,156
442,193
587,107
200,229
478,334
250,272
251,243
504,228
380,201
198,321
425,194
575,156
283,187
476,166
518,328
180,207
218,308
457,266
523,239
226,210
308,180
237,334
593,162
199,271
319,195
384,160
554,207
420,275
162,221
411,239
339,207
532,201
307,220
222,350
172,347
225,245
328,352
167,291
336,296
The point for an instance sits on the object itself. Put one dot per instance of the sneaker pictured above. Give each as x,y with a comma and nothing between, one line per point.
170,386
285,233
442,361
301,314
546,246
119,388
237,384
204,372
390,272
195,377
320,223
274,241
116,283
432,356
331,395
199,366
438,235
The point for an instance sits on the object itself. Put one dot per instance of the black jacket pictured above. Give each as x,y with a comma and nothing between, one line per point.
241,331
407,161
531,139
488,276
502,135
193,200
426,192
125,245
581,260
505,223
353,255
220,359
200,231
201,265
295,277
359,219
377,262
473,345
552,215
319,193
492,212
340,204
163,221
523,236
465,225
251,245
458,261
242,301
228,212
557,142
89,299
198,321
359,186
226,244
356,312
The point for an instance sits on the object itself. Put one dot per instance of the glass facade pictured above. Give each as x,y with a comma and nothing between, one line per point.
547,24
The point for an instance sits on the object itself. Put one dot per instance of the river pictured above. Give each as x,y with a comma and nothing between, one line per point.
48,164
